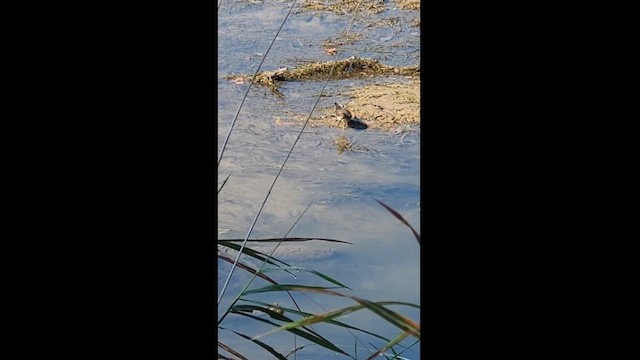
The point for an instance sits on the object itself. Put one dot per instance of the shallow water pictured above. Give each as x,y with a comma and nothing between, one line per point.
383,263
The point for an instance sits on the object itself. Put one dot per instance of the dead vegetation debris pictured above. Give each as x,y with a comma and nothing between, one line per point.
345,6
350,68
408,4
387,107
331,46
343,144
388,22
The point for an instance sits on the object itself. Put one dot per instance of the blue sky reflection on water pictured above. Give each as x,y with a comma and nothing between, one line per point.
383,264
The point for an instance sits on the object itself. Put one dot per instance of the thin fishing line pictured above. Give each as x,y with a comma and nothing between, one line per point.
226,140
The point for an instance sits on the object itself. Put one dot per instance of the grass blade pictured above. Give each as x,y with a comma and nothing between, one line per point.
314,319
326,318
230,350
247,310
247,268
293,239
224,182
389,345
253,253
315,338
329,321
399,217
407,348
296,350
286,287
259,343
355,348
317,273
394,318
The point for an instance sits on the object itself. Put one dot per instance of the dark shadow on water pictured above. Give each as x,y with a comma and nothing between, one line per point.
357,124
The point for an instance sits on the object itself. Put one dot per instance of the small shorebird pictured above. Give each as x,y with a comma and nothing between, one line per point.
343,114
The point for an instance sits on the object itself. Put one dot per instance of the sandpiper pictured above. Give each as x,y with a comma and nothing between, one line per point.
342,114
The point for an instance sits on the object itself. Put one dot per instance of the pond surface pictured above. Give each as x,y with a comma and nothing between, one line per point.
383,264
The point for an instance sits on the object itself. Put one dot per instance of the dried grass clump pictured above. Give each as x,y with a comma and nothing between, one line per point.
372,7
344,69
408,4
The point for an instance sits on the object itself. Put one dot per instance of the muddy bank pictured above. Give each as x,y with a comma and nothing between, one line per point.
380,106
